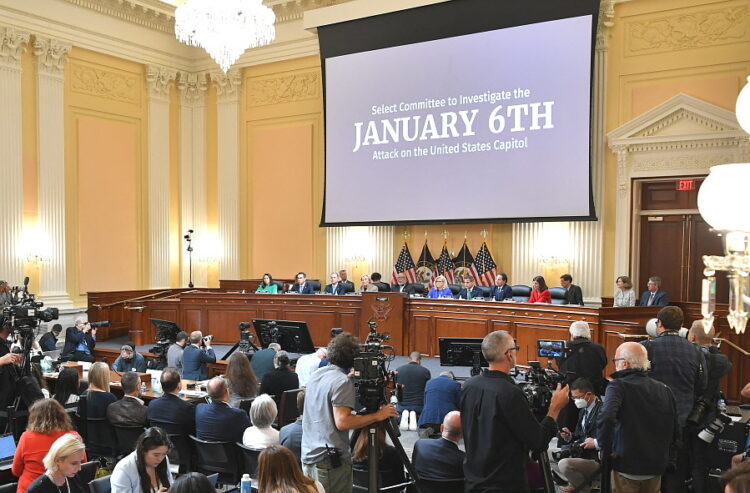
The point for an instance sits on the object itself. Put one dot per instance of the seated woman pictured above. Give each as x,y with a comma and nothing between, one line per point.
281,378
279,472
98,396
501,291
539,291
267,285
146,469
62,463
241,379
262,415
36,372
624,294
389,464
66,388
48,421
367,285
192,482
440,289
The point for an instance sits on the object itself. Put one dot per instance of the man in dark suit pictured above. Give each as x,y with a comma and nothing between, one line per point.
441,459
343,276
169,409
441,396
654,296
301,286
80,341
376,279
573,293
470,290
130,410
217,422
501,291
48,342
402,286
195,357
262,361
335,287
290,436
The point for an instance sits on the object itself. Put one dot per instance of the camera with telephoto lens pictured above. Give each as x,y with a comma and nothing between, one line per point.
371,375
715,427
568,451
699,411
207,339
538,385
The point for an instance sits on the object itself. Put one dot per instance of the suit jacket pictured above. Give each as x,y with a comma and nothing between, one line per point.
441,396
127,412
574,295
73,337
660,298
590,430
409,288
290,436
438,459
340,289
48,342
476,292
170,409
217,422
194,362
499,294
306,288
262,362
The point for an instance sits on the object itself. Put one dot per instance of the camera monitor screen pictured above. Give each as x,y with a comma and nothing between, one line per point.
550,349
460,351
165,330
292,336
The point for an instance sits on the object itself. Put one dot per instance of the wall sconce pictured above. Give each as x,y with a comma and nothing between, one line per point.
33,246
207,248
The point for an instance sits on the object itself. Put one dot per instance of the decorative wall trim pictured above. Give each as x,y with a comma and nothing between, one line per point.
51,55
227,85
160,80
192,87
12,45
284,89
109,84
152,14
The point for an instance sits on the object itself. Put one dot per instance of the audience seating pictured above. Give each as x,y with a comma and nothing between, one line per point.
288,411
182,450
101,485
88,471
126,438
17,421
217,457
249,460
245,404
9,488
521,292
558,295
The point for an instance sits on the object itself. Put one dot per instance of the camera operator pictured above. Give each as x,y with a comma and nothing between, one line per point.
499,427
7,372
680,365
717,367
582,465
195,357
582,359
174,354
80,341
327,418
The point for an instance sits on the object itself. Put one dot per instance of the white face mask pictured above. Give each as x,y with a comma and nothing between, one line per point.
580,403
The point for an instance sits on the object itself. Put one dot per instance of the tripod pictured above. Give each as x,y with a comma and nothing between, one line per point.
189,239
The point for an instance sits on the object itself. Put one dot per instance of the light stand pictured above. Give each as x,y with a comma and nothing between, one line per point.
189,239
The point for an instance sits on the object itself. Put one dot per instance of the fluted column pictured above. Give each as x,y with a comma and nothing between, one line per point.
192,88
12,45
228,150
51,57
159,81
364,249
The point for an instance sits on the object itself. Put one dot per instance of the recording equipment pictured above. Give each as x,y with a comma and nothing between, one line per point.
245,345
103,323
551,349
569,451
715,427
699,411
292,336
166,335
538,384
189,239
462,351
207,339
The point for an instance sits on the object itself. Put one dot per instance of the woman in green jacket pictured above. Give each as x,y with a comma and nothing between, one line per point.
267,286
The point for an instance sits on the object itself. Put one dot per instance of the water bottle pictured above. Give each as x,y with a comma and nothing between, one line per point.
246,484
143,387
156,385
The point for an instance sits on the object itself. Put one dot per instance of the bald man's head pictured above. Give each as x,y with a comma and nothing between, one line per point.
698,334
415,356
451,427
631,355
217,389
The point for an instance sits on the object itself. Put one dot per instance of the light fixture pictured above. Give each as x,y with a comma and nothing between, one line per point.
225,28
722,203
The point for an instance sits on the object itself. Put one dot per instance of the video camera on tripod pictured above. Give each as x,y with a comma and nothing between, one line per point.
538,384
371,374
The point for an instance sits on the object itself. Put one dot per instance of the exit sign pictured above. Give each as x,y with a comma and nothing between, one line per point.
685,184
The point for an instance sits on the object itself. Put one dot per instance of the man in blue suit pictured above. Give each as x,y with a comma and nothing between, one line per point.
195,357
441,396
301,286
501,291
336,287
470,290
217,422
170,409
441,459
654,296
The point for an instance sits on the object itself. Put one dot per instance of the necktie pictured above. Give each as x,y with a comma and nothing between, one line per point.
651,299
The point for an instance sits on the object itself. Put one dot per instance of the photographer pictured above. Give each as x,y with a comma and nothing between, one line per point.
7,372
195,357
174,354
499,427
327,418
80,341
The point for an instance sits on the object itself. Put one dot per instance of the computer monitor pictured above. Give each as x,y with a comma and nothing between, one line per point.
292,336
461,351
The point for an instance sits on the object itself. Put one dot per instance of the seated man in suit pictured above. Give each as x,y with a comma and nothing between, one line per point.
573,293
170,408
470,290
217,422
48,342
501,291
343,276
335,287
195,356
129,360
80,341
402,286
262,361
301,286
130,410
376,279
654,296
290,436
441,459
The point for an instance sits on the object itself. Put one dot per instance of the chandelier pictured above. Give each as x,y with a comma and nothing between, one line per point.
722,201
225,28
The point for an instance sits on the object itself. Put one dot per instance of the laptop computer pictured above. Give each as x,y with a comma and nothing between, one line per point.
7,451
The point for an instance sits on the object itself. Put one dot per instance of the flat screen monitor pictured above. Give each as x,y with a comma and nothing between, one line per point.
460,351
166,330
550,349
293,336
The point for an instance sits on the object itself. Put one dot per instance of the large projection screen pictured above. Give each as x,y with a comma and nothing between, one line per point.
462,122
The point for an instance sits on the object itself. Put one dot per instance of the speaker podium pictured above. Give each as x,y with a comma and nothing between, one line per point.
388,310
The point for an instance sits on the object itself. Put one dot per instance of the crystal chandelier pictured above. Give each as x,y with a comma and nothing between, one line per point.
722,201
225,28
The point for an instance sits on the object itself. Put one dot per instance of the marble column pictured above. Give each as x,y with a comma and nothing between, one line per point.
51,55
12,45
228,150
159,80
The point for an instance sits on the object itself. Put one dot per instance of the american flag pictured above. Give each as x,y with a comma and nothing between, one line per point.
406,265
444,266
484,268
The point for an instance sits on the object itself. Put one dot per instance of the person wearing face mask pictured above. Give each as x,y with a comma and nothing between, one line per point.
579,471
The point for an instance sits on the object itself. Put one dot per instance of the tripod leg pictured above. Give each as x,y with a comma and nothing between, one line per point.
373,455
402,454
549,485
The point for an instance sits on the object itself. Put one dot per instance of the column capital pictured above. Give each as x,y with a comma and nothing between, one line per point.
159,80
51,55
227,84
12,44
192,86
606,21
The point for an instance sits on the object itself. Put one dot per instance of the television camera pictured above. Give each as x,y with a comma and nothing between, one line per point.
371,374
538,384
166,335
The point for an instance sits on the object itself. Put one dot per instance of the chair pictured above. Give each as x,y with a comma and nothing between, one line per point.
315,286
248,459
182,449
100,437
245,404
217,457
485,291
16,421
101,485
558,296
521,292
441,485
213,479
288,411
88,471
279,286
419,288
455,289
9,488
126,438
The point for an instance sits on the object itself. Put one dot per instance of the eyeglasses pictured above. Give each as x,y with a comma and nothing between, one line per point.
514,348
615,360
